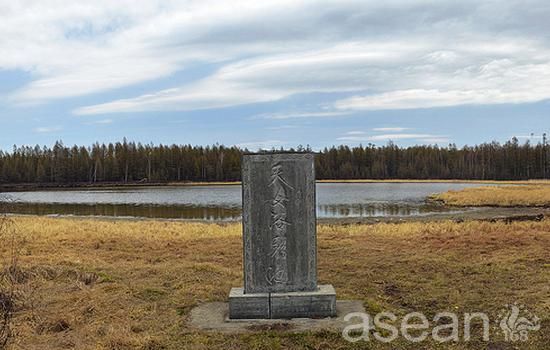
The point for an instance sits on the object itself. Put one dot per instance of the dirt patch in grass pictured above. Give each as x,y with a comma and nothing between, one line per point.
131,285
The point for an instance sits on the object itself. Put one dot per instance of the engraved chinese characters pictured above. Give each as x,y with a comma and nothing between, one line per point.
277,272
279,223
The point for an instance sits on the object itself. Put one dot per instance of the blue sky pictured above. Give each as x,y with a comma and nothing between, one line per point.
274,73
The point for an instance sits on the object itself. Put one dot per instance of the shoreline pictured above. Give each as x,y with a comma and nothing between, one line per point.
115,185
488,213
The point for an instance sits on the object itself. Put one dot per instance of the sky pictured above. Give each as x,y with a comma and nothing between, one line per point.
262,74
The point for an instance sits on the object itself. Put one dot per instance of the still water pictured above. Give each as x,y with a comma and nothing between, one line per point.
334,200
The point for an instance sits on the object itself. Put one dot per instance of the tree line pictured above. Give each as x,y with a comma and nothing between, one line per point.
130,162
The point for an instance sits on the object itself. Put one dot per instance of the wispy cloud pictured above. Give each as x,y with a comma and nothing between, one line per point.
392,129
360,133
282,127
47,129
384,137
101,122
429,138
301,115
420,98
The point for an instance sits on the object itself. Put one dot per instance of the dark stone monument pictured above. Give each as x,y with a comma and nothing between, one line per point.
280,241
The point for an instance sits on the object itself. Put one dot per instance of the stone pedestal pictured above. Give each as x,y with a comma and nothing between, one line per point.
280,241
248,306
317,304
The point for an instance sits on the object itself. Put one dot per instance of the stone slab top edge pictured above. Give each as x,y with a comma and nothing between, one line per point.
325,289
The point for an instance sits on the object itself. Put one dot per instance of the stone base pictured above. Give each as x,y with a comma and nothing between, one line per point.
214,317
244,306
317,304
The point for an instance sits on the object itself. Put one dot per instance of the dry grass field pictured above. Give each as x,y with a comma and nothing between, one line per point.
500,196
99,284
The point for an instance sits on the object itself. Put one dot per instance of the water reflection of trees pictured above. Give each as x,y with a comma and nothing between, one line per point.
124,210
213,213
376,209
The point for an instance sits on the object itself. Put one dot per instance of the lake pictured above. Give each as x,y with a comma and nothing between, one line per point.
334,200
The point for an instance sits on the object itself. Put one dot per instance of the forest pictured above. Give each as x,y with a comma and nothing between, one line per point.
131,162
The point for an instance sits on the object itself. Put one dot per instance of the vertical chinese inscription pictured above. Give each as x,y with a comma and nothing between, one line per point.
279,233
277,272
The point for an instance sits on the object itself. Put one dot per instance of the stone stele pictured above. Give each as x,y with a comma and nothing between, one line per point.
280,241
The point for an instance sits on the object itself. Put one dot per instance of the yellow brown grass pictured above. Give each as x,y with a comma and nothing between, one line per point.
501,196
97,284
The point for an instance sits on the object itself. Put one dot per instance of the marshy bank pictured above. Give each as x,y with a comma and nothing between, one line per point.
363,201
532,195
339,202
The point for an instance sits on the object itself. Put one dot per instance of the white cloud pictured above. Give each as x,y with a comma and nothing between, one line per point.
418,98
282,127
204,95
383,55
301,115
101,122
428,138
47,129
392,129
